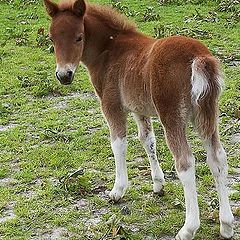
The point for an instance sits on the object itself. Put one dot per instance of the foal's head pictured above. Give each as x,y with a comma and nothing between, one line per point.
67,34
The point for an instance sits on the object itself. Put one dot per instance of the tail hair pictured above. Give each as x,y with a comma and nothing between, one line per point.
207,84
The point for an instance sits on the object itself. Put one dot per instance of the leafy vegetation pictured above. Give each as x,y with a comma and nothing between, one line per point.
56,165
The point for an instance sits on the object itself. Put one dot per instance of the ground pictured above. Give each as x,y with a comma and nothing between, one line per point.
56,163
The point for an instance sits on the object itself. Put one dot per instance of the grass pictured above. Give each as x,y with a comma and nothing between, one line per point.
48,131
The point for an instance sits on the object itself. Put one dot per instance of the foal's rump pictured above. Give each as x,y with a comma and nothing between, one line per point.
186,80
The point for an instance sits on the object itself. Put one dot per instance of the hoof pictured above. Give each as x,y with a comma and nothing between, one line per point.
184,234
117,193
226,230
158,186
161,193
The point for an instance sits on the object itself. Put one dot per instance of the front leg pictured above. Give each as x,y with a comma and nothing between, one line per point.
116,119
119,147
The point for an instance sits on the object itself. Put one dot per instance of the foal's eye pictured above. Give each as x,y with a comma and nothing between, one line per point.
79,39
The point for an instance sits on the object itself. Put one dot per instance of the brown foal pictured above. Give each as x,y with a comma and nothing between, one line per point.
175,78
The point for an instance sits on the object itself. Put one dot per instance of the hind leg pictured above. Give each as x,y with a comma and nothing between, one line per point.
217,161
174,126
147,138
185,166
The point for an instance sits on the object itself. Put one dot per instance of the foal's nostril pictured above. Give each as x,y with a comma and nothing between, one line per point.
57,76
65,76
69,74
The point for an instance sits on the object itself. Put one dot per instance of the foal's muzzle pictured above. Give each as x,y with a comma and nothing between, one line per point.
65,73
65,77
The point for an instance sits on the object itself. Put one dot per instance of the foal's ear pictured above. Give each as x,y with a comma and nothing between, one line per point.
79,7
52,8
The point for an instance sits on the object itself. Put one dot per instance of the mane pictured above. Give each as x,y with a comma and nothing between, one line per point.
65,5
111,17
106,14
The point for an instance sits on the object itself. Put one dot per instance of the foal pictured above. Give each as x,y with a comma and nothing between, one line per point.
175,78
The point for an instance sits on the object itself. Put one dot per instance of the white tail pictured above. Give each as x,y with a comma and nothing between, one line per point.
200,80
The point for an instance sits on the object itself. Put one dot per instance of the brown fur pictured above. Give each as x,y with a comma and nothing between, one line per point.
133,72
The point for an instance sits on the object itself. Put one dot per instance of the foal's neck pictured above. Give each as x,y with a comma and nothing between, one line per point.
97,39
101,36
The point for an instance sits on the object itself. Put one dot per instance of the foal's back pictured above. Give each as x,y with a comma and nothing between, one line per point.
157,69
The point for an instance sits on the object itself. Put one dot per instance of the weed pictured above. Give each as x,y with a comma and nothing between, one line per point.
7,1
24,16
228,5
181,2
3,53
75,183
150,14
199,17
25,81
169,30
56,135
25,3
4,113
123,8
233,19
177,203
115,229
44,41
232,59
39,86
164,2
19,35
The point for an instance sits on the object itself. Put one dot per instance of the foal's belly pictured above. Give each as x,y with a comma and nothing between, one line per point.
140,109
137,99
134,82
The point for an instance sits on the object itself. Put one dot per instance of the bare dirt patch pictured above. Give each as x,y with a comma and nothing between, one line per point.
81,203
15,166
28,194
235,138
7,213
61,105
7,127
162,238
54,234
6,181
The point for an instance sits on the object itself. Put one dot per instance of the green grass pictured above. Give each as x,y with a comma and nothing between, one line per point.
48,131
